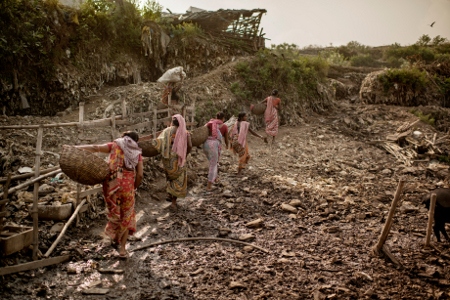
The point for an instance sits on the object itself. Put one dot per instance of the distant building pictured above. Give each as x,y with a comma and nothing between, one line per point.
192,9
239,24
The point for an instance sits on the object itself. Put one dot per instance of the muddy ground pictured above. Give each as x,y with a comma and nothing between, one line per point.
340,182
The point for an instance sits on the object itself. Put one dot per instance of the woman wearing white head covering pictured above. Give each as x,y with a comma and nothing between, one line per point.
126,173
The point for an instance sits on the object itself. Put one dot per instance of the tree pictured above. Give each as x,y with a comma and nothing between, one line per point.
423,40
152,10
438,40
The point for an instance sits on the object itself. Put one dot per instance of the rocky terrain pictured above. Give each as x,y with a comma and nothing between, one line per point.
313,206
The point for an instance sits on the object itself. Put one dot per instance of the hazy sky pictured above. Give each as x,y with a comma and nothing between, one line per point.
321,22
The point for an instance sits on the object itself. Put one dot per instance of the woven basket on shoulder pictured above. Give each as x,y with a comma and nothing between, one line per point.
199,136
147,149
258,109
83,166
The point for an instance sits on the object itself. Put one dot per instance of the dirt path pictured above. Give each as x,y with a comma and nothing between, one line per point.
340,183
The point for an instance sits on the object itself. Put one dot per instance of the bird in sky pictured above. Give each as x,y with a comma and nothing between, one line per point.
431,25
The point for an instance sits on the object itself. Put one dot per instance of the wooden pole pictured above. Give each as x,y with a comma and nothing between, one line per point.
78,201
124,109
81,113
198,239
81,120
25,184
169,100
24,176
155,121
113,127
430,219
5,200
49,251
33,265
193,114
388,224
34,210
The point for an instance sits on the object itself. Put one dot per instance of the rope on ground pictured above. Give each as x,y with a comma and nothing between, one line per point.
198,239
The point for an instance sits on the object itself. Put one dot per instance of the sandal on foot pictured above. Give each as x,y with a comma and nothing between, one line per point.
123,256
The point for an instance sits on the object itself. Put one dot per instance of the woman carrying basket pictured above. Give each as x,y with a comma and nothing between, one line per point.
213,146
273,104
238,135
174,144
126,173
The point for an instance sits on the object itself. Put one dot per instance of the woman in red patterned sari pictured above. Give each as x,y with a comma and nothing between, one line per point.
126,173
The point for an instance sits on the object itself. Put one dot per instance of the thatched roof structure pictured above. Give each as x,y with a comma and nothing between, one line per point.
231,22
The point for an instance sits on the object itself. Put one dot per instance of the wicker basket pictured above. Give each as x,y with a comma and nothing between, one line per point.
82,166
199,136
258,109
147,149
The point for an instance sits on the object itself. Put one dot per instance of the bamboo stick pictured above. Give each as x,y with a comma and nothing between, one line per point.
81,113
113,127
33,265
5,200
124,109
34,210
94,123
23,176
49,251
388,224
25,184
199,239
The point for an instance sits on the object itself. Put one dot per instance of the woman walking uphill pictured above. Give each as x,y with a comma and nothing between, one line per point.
126,173
174,144
273,104
213,146
239,143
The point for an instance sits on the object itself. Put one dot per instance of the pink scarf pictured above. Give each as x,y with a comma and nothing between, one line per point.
215,123
269,112
243,130
130,150
180,141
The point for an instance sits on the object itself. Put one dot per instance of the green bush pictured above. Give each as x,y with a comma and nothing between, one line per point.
424,118
267,71
25,32
151,10
102,23
398,79
335,58
412,53
363,61
186,30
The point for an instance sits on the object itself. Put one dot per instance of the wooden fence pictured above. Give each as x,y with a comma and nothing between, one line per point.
117,123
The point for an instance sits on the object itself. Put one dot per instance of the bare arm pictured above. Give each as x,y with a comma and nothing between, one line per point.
278,106
139,174
255,134
94,148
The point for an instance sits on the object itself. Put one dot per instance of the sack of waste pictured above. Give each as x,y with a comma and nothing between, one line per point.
172,75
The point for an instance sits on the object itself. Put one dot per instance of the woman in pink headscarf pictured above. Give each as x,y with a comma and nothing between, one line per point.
174,144
273,104
213,146
238,135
